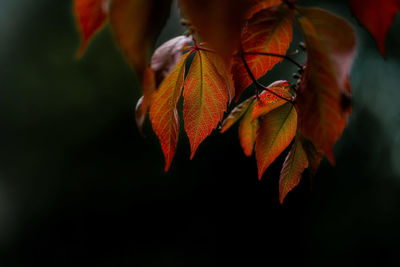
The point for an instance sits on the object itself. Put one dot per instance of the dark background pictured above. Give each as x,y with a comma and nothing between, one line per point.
80,187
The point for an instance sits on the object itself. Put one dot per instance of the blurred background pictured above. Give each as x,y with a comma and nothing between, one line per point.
80,187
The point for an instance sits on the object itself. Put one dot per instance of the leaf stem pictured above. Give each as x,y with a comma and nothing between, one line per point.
259,86
275,55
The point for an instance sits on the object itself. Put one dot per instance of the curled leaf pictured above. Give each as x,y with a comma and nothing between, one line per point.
236,114
163,112
166,57
268,101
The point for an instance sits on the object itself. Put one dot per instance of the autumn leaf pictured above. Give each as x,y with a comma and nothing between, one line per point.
376,16
136,25
268,101
90,16
269,31
324,85
224,70
205,99
236,114
163,61
295,163
276,131
163,111
248,130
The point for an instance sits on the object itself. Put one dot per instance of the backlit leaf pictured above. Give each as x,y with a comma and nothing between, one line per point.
224,70
205,99
330,43
376,16
236,114
90,15
276,131
295,163
163,112
136,25
248,131
268,101
269,31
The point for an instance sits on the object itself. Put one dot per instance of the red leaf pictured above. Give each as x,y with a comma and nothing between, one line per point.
275,133
269,31
136,25
90,15
295,163
163,112
376,16
205,98
268,101
330,54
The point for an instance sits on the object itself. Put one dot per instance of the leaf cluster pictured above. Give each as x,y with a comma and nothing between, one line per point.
232,44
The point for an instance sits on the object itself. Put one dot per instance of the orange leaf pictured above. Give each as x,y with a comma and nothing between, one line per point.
269,31
136,25
248,131
376,16
224,70
269,101
275,133
163,112
163,61
205,98
324,85
295,163
90,15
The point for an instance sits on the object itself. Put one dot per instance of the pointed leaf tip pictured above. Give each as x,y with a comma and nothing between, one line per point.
276,131
295,163
205,99
163,110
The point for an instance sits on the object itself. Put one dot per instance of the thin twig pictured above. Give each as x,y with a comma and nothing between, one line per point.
257,84
275,55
